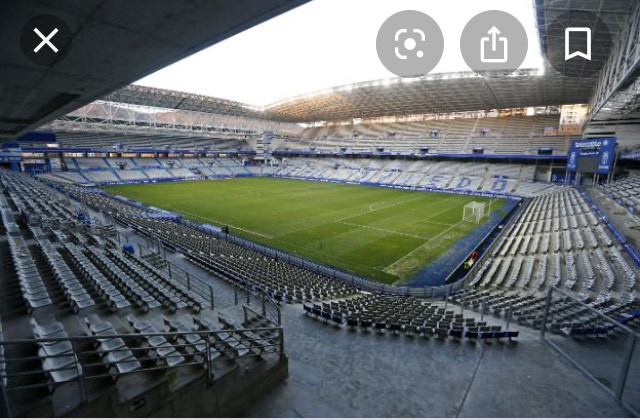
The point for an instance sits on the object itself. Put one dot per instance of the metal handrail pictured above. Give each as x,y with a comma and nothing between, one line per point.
190,280
269,305
165,334
554,289
632,339
265,340
274,310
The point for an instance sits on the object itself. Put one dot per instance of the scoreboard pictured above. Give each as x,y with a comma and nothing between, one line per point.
594,155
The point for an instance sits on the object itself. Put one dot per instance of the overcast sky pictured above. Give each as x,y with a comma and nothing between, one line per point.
321,44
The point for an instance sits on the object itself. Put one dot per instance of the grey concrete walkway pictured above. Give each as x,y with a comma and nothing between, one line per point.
335,372
338,373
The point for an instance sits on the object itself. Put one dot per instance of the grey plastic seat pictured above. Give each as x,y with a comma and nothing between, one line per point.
57,347
127,365
110,344
62,369
139,326
45,327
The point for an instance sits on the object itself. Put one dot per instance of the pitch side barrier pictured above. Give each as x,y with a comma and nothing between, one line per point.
487,245
488,194
631,250
174,179
147,181
332,272
491,251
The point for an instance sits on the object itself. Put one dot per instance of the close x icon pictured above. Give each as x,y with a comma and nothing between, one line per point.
45,40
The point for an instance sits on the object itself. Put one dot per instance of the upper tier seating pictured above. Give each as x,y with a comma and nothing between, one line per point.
139,141
157,173
495,135
73,177
91,163
132,175
124,170
101,176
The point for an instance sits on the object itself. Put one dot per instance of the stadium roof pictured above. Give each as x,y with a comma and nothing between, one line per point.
32,96
613,13
112,44
171,99
438,93
434,93
616,90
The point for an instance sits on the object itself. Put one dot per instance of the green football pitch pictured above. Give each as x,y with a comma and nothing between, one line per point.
383,234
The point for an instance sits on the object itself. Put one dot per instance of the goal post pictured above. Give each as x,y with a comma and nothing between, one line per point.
473,212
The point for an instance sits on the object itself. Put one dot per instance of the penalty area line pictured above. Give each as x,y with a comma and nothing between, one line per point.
391,266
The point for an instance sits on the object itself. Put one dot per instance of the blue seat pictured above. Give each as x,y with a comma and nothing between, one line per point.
380,324
442,333
365,323
471,334
337,318
486,335
456,333
500,334
576,331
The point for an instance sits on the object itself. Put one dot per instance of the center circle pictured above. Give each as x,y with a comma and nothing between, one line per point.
410,43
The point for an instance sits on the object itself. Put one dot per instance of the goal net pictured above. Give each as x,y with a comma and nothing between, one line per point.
473,212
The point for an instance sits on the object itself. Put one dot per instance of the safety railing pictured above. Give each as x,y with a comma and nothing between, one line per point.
267,307
90,358
243,291
599,345
173,271
192,281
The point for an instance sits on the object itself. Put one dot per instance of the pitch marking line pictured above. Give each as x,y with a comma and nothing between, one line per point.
220,222
436,223
397,203
390,266
383,230
426,219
